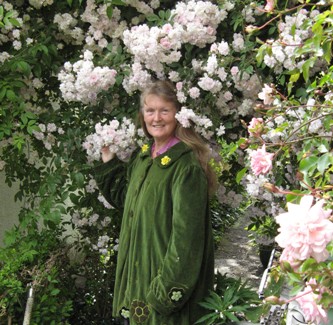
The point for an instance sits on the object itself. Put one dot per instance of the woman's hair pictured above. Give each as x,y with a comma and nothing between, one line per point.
167,91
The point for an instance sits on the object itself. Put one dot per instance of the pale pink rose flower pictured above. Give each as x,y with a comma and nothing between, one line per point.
234,71
194,92
210,30
255,127
166,28
261,161
305,231
269,5
266,95
179,86
214,48
313,312
165,42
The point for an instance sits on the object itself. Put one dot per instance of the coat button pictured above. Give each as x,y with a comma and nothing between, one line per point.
131,214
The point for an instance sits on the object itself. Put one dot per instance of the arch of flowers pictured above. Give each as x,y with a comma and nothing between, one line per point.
255,77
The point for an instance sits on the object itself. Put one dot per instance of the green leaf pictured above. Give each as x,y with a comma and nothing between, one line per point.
2,93
240,175
295,277
55,292
79,179
24,67
324,161
306,67
231,316
322,148
307,264
327,48
308,163
295,290
109,11
14,22
153,18
11,95
118,3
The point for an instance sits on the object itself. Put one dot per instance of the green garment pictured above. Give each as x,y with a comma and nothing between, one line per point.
166,258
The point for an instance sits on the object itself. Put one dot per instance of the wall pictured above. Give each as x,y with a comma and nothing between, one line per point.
8,207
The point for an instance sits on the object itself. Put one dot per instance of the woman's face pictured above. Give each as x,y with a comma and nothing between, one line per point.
159,117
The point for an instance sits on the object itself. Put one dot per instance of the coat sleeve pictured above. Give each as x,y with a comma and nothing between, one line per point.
111,179
179,274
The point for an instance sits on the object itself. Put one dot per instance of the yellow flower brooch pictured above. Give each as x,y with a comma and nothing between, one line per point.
144,148
165,160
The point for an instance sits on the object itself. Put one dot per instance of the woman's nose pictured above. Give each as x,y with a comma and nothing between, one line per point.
157,116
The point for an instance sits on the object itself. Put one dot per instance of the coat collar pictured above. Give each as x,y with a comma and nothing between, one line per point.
166,159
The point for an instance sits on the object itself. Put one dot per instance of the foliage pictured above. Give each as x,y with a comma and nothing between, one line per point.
233,300
262,230
37,260
271,61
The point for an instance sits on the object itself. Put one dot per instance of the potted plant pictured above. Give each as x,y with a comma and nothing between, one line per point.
262,232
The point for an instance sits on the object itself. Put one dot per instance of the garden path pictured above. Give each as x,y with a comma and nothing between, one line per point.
236,257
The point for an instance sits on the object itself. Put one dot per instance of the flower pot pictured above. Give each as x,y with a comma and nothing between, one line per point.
265,254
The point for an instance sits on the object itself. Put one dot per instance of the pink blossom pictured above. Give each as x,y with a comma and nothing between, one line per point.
179,86
269,5
165,42
234,71
255,127
305,231
313,312
261,161
266,95
166,28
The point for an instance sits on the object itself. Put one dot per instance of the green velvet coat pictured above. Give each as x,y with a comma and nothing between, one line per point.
165,260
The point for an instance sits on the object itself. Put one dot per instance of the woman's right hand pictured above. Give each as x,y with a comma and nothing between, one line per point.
107,155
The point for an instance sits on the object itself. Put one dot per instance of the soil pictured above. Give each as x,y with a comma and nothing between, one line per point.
236,257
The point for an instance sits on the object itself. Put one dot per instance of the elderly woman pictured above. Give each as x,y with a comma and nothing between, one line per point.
165,259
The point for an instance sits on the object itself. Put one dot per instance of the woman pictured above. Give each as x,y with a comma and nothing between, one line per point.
165,259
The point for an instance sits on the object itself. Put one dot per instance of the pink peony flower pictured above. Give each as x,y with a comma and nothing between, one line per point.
261,161
308,302
305,231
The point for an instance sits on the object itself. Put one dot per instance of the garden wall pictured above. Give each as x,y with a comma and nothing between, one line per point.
9,209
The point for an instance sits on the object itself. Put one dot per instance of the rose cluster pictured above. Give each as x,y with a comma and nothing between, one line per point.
119,137
82,81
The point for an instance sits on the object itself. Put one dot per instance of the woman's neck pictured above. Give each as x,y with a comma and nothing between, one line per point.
162,146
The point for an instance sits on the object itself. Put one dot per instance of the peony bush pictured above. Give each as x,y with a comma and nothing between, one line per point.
253,77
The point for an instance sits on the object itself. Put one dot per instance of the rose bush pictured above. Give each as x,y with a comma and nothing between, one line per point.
254,77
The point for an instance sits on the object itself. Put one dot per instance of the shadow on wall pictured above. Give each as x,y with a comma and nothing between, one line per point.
9,209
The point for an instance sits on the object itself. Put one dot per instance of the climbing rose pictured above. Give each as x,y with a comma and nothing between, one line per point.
269,5
308,302
266,95
255,127
305,231
261,161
